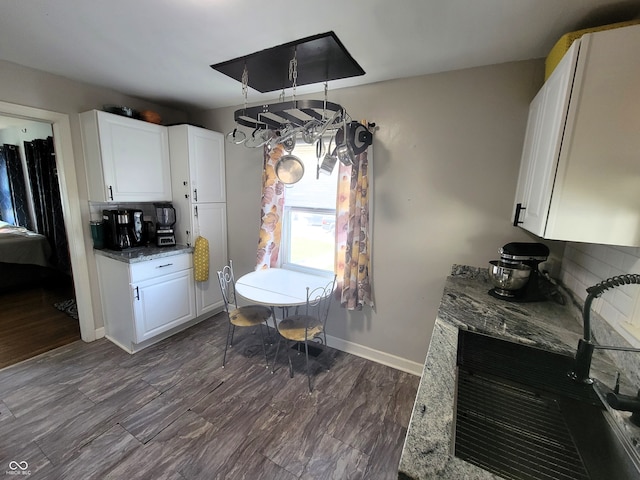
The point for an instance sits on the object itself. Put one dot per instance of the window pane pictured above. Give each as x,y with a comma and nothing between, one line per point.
310,215
309,191
312,239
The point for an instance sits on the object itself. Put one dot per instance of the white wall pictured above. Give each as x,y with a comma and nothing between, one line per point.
446,160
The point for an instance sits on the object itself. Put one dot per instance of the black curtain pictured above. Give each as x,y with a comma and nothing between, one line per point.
14,208
45,188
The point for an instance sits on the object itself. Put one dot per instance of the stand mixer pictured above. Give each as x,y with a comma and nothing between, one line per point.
519,259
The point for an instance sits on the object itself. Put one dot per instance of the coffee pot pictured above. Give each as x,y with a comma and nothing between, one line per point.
123,239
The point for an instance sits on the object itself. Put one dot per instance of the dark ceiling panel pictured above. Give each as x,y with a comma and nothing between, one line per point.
320,58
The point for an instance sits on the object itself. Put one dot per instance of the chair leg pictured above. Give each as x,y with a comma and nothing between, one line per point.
264,349
306,351
275,359
233,330
226,345
290,363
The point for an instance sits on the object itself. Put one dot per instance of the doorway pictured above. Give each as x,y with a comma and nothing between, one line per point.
68,184
36,282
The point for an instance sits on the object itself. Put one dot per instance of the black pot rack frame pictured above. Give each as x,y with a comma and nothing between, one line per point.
296,113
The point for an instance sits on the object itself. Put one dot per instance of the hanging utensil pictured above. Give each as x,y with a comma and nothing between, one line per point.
319,153
344,152
236,136
359,137
258,138
289,169
329,161
309,132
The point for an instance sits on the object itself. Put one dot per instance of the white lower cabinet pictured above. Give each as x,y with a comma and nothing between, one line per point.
147,301
163,303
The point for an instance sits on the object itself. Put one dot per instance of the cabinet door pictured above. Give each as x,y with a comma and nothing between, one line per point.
547,116
206,163
162,303
135,159
211,223
595,198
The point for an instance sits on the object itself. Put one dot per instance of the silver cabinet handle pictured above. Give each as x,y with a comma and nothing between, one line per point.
165,265
137,294
110,192
195,194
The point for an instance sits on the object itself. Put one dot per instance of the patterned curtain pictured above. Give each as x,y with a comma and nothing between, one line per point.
13,191
353,262
272,208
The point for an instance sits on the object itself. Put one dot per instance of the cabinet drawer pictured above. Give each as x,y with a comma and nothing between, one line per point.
160,266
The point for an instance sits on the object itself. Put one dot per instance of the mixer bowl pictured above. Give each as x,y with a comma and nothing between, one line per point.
507,278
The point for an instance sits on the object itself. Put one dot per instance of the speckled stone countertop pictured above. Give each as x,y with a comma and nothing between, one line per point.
143,254
466,304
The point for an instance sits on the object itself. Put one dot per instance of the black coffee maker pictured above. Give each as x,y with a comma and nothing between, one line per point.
116,224
537,288
123,229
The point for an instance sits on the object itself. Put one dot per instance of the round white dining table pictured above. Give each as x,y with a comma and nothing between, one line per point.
279,287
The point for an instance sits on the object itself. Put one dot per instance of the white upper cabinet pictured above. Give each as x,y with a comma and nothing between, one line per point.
580,171
198,180
127,160
197,161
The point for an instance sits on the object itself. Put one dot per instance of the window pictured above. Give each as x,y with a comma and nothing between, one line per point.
308,227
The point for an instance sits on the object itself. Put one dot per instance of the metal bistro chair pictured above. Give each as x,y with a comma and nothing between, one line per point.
309,326
245,316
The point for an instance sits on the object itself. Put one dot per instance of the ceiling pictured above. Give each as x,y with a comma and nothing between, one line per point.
162,50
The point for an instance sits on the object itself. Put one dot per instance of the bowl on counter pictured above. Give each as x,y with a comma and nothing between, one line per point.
507,278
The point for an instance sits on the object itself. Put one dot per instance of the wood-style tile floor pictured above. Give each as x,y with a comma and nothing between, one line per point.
31,325
92,411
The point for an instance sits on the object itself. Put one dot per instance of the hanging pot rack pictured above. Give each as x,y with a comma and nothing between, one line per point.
281,115
318,58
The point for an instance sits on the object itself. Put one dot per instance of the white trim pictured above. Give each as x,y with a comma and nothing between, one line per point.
377,356
100,333
70,206
136,347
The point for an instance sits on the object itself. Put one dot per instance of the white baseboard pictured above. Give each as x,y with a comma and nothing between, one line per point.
377,356
99,333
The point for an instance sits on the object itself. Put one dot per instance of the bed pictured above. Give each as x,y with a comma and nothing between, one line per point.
24,256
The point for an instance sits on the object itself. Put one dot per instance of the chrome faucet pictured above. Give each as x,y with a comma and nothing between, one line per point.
586,347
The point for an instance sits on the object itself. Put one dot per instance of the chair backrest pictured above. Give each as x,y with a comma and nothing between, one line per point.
228,286
319,301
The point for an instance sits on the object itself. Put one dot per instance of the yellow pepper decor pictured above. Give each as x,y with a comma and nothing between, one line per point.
201,259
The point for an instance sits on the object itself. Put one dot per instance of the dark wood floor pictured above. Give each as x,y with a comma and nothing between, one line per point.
171,411
31,325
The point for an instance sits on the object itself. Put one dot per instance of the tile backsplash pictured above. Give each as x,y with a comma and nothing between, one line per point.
584,265
95,209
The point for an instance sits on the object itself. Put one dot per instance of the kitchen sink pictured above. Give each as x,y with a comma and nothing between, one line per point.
520,416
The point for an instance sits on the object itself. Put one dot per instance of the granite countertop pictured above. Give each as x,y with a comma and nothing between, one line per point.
466,304
143,254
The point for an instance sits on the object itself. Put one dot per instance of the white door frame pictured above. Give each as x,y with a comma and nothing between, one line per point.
70,207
